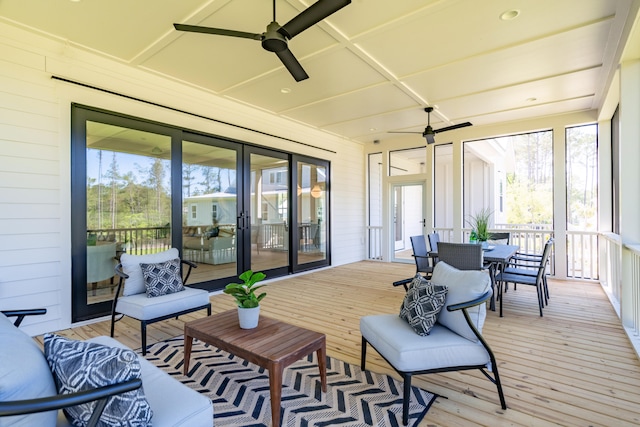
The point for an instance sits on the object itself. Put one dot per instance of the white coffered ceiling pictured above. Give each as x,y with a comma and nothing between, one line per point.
374,65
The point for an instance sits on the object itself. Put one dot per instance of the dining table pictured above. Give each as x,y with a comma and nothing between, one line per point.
495,258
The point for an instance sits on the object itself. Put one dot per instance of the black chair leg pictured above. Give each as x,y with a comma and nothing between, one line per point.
540,298
143,334
363,353
496,377
406,398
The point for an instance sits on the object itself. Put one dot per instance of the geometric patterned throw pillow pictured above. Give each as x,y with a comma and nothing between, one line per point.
162,278
78,366
418,280
421,306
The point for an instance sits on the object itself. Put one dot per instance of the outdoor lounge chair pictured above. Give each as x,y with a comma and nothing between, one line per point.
135,301
454,343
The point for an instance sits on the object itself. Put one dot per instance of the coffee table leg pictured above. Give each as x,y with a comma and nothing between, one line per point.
322,365
187,352
275,388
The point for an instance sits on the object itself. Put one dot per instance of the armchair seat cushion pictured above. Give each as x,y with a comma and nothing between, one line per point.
142,308
397,342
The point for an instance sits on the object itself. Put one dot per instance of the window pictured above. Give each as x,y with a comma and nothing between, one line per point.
407,162
194,212
524,163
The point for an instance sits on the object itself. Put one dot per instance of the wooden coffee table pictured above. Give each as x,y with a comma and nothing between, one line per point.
273,345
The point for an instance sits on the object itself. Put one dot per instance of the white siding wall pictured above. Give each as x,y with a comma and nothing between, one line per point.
35,198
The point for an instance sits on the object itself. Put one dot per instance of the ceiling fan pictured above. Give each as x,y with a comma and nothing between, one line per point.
276,37
430,133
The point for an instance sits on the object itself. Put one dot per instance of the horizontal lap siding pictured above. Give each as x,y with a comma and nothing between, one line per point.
35,259
30,211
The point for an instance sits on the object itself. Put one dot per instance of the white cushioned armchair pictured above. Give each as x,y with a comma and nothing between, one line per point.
454,343
136,303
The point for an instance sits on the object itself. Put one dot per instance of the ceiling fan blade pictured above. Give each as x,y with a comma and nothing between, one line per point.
458,126
311,15
292,65
399,131
217,31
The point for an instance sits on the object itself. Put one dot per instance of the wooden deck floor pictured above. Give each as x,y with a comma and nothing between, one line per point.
573,367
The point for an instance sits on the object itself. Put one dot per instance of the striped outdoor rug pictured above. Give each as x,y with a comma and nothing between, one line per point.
240,390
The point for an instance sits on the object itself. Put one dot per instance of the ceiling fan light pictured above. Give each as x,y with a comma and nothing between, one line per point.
431,138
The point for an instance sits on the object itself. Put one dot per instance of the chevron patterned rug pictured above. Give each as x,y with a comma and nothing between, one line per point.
240,390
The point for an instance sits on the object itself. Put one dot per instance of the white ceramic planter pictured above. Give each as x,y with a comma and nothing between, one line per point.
248,317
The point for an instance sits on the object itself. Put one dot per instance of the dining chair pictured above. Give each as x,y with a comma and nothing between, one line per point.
424,262
522,272
528,265
500,238
463,256
434,239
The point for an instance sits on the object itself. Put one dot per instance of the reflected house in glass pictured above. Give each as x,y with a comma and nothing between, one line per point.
209,234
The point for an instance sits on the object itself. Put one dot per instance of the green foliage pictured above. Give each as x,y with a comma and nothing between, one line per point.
480,223
244,293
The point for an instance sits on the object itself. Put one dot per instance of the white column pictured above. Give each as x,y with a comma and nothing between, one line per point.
458,211
629,176
560,202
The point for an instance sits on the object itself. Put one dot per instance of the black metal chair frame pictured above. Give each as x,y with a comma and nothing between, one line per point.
406,376
61,401
143,323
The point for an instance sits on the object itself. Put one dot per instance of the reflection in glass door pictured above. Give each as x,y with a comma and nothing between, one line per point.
269,211
408,219
127,210
209,210
311,210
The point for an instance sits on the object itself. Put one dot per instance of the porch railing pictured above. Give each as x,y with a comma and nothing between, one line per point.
136,241
634,293
374,242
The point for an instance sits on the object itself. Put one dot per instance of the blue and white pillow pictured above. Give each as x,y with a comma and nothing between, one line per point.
162,278
78,366
422,304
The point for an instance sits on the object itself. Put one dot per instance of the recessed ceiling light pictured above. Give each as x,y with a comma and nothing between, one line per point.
510,14
285,90
532,99
373,129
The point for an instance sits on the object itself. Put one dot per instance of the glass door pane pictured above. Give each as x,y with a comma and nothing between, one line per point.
269,212
312,209
209,210
128,193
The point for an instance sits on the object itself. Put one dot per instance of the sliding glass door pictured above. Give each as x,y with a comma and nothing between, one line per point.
141,187
209,232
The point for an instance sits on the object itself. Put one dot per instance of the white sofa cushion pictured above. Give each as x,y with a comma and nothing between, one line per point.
173,403
463,286
140,307
394,339
24,374
131,266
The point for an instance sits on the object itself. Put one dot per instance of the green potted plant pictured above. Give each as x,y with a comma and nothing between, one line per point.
480,224
246,299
